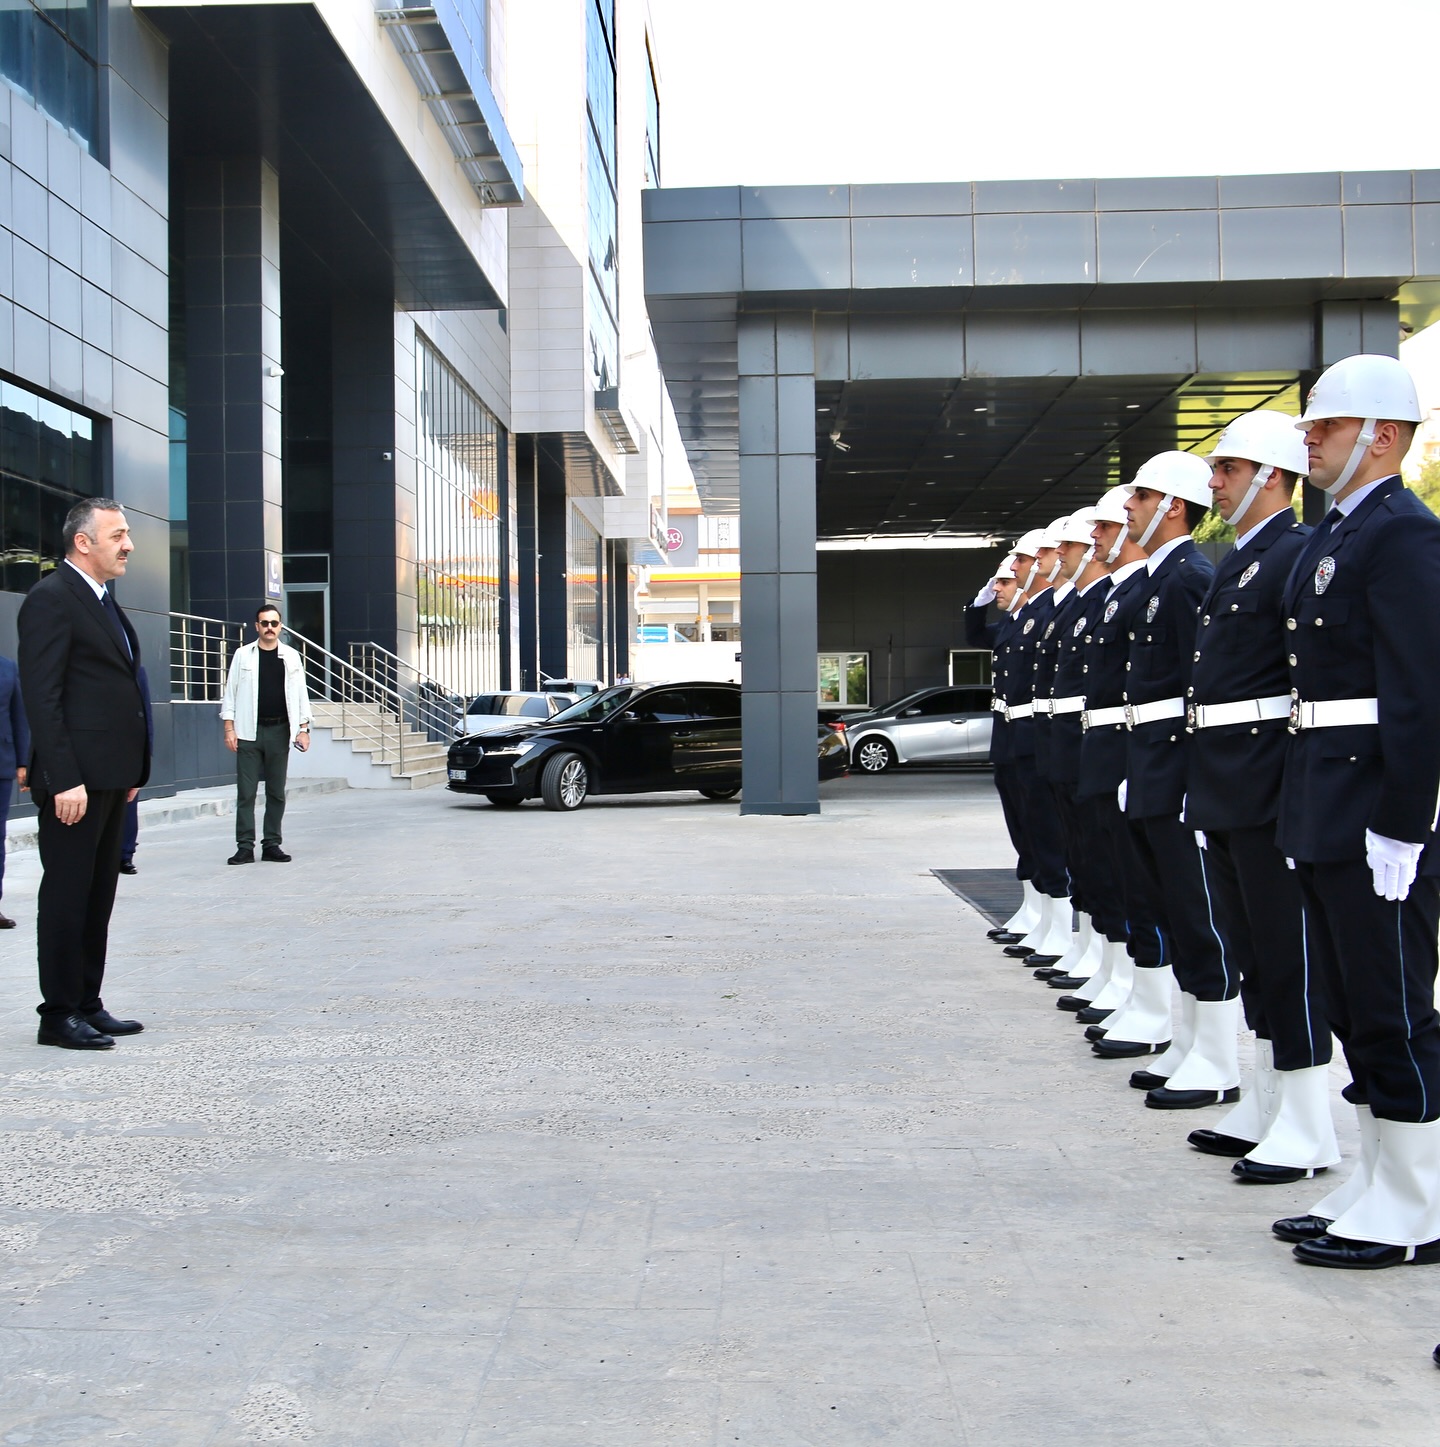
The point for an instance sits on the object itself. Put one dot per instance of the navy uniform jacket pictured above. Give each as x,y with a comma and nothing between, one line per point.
1047,656
14,731
1016,656
1065,731
1102,751
980,634
1363,619
1162,647
1233,772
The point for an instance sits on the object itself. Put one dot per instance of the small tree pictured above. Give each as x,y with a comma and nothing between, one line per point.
1426,485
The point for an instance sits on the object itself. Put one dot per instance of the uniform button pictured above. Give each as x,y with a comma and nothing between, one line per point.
1319,622
1293,661
1127,668
1085,668
1254,731
1289,622
1172,738
1132,637
1197,658
1294,693
1207,620
1234,607
1352,758
1190,692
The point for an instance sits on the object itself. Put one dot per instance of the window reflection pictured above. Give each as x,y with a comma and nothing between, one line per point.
48,52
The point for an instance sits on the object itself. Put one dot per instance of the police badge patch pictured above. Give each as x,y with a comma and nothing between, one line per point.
1324,572
1079,628
1049,628
1029,624
1249,573
1152,608
1111,609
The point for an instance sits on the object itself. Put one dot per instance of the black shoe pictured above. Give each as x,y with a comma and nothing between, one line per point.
1213,1143
1019,952
1043,959
1363,1255
1146,1080
1047,973
128,867
1258,1173
274,854
70,1032
1301,1228
1435,1356
1163,1098
6,922
1108,1049
1007,937
1089,1015
994,934
242,856
1072,1002
1094,1032
1067,982
107,1024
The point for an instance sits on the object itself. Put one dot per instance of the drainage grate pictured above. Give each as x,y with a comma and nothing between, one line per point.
995,893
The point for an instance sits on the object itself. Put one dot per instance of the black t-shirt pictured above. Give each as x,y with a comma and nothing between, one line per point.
272,686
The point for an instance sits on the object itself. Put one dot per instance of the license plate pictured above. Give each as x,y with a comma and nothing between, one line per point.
458,774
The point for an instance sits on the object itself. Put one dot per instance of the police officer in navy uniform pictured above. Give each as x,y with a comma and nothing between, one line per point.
1102,770
1359,803
1238,707
1004,591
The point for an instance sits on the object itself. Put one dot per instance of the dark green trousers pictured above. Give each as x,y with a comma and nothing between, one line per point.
266,756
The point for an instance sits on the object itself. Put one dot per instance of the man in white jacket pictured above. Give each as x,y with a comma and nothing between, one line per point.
265,710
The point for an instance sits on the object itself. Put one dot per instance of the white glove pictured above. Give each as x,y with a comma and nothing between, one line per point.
1393,862
1289,863
985,596
1201,840
1121,793
1184,800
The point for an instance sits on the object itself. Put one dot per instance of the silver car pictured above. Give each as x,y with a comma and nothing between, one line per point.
931,726
488,711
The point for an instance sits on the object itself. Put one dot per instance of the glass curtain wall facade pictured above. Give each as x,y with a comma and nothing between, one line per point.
652,123
459,514
47,464
49,51
584,588
601,205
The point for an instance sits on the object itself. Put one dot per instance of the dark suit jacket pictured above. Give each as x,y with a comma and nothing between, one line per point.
1362,614
1233,778
1065,730
1162,646
1017,668
1103,748
83,695
981,634
14,730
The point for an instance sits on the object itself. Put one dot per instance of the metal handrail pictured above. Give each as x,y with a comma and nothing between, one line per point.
200,650
435,708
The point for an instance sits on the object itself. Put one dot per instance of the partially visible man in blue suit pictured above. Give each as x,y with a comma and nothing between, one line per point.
14,750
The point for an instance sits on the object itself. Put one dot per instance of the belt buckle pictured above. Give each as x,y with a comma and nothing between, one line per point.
1084,720
1294,725
1129,716
1190,718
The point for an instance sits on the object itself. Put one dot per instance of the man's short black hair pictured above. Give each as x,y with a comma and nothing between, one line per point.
81,519
266,608
1194,514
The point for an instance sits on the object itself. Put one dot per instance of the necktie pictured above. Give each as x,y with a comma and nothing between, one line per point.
112,617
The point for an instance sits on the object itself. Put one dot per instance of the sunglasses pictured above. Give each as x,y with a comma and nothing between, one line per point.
268,625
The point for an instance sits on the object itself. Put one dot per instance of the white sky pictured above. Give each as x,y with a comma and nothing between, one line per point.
777,92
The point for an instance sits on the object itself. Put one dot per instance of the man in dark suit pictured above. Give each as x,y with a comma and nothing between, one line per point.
14,750
79,661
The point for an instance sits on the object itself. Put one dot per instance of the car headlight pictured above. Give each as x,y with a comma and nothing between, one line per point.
512,751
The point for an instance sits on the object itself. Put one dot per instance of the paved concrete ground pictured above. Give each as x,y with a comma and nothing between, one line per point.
646,1126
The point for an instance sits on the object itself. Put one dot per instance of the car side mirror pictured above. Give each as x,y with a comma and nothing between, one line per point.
910,713
629,716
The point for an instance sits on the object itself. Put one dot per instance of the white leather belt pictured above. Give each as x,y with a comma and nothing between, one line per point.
1250,710
1333,713
1094,718
997,705
1042,708
1068,705
1143,713
1017,711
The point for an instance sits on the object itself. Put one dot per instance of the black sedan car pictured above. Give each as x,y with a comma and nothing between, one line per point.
631,739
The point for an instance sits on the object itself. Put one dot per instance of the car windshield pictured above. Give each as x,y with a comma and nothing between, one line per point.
896,704
596,707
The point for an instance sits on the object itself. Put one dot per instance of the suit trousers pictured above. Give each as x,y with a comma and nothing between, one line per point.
1076,864
1042,831
1012,805
1378,960
1145,941
1260,913
1175,879
81,863
266,756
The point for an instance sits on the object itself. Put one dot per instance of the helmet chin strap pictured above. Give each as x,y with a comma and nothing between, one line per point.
1114,554
1086,558
1161,508
1055,571
1030,580
1357,454
1262,476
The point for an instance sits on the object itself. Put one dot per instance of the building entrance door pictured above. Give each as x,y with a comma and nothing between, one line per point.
307,611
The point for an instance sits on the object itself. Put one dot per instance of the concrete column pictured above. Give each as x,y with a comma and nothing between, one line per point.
777,563
232,288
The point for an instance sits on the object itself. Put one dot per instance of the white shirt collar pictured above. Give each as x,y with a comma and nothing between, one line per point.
1094,582
1242,538
1358,496
1120,574
1063,591
1164,551
97,588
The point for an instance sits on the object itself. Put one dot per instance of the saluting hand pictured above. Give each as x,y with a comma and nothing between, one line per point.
70,804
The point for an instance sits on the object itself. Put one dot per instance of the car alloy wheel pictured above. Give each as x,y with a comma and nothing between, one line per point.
565,782
874,756
720,794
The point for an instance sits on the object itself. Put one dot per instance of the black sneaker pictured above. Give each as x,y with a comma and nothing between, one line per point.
242,856
274,854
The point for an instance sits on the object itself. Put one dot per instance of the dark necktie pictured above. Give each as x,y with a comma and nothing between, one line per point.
112,617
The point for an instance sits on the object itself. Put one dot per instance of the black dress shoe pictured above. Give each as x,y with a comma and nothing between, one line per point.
1146,1080
70,1032
1108,1049
107,1024
1089,1015
1214,1143
1163,1098
994,934
1048,972
1094,1032
1435,1356
1363,1255
1258,1173
126,867
242,856
1301,1228
1043,960
1019,952
1073,1003
1007,937
274,854
1067,982
6,922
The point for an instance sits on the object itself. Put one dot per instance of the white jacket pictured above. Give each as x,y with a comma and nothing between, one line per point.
242,690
